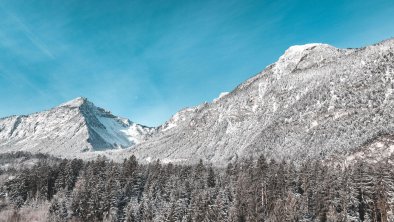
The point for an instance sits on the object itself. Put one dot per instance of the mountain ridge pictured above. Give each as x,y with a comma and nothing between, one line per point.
290,109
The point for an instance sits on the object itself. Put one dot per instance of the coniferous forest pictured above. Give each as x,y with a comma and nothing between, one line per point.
53,189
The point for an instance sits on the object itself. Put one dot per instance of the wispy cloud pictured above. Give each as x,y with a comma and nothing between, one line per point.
40,45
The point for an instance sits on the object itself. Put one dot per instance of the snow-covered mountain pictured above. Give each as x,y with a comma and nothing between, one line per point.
314,101
69,129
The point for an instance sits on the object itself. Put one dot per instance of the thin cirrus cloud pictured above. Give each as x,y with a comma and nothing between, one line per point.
147,59
31,36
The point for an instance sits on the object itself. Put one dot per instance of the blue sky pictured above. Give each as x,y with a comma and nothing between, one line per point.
145,60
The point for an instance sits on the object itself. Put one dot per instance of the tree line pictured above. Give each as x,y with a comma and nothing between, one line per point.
248,190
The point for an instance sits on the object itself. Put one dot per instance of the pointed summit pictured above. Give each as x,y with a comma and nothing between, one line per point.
77,102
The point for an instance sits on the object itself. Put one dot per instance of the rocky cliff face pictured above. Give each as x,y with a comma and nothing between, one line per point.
69,129
314,101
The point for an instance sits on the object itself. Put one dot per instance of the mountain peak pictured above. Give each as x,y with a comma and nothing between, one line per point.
306,46
303,56
77,102
300,50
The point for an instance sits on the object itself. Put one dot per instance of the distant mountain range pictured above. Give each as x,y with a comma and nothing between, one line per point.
315,101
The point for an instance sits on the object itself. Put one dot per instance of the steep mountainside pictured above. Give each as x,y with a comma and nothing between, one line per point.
71,128
314,101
